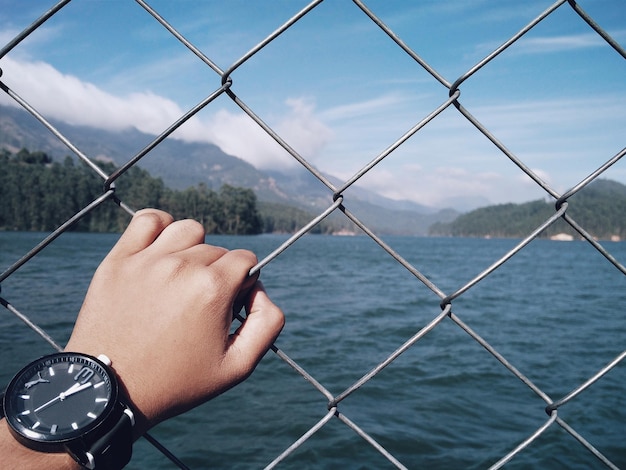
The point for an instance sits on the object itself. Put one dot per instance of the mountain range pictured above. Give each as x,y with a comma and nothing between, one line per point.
183,164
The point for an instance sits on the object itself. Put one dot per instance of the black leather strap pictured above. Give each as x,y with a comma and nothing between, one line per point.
112,450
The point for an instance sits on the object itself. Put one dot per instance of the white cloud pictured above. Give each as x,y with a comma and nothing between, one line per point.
448,160
569,42
547,44
7,34
561,140
542,174
71,100
42,38
237,134
301,126
447,186
67,98
367,107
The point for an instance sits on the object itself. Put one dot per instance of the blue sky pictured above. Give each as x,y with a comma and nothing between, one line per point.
340,91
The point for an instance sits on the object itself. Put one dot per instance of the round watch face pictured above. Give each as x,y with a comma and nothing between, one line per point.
59,397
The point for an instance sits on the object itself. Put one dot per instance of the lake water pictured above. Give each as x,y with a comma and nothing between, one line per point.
556,311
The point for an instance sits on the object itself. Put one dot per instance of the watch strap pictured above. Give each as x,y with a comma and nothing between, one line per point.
111,450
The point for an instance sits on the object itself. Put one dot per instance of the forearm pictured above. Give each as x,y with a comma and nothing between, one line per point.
15,456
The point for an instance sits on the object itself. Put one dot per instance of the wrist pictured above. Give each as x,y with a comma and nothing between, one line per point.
132,393
17,456
134,400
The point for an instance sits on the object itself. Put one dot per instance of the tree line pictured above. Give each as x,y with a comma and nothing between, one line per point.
599,208
38,194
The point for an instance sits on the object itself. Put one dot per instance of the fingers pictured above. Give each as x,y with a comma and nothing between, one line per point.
155,228
234,267
143,229
156,232
253,338
179,236
230,273
242,295
203,254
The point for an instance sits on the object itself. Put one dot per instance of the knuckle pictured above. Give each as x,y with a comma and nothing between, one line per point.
191,228
214,285
153,218
245,257
274,317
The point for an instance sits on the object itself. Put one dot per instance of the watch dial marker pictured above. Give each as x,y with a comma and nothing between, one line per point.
91,415
99,384
74,426
53,429
51,371
24,397
36,425
25,412
70,369
101,400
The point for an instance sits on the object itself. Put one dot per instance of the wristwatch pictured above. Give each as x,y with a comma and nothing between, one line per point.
71,402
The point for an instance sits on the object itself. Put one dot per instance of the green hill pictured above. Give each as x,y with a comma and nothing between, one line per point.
38,194
600,208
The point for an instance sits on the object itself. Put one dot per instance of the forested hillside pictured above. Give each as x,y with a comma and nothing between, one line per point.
286,198
600,208
38,194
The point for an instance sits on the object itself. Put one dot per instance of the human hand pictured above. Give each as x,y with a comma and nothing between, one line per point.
160,307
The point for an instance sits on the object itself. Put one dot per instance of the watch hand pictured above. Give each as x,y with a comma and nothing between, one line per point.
48,403
63,395
74,389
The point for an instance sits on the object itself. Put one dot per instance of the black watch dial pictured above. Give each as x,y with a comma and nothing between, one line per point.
59,397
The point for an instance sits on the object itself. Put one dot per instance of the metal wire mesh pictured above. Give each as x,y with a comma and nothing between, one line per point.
450,99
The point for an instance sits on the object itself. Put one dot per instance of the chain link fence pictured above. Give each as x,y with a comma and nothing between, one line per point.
450,99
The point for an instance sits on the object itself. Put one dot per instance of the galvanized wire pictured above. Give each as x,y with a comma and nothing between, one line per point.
451,99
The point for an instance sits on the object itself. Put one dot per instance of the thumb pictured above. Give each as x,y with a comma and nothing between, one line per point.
249,343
